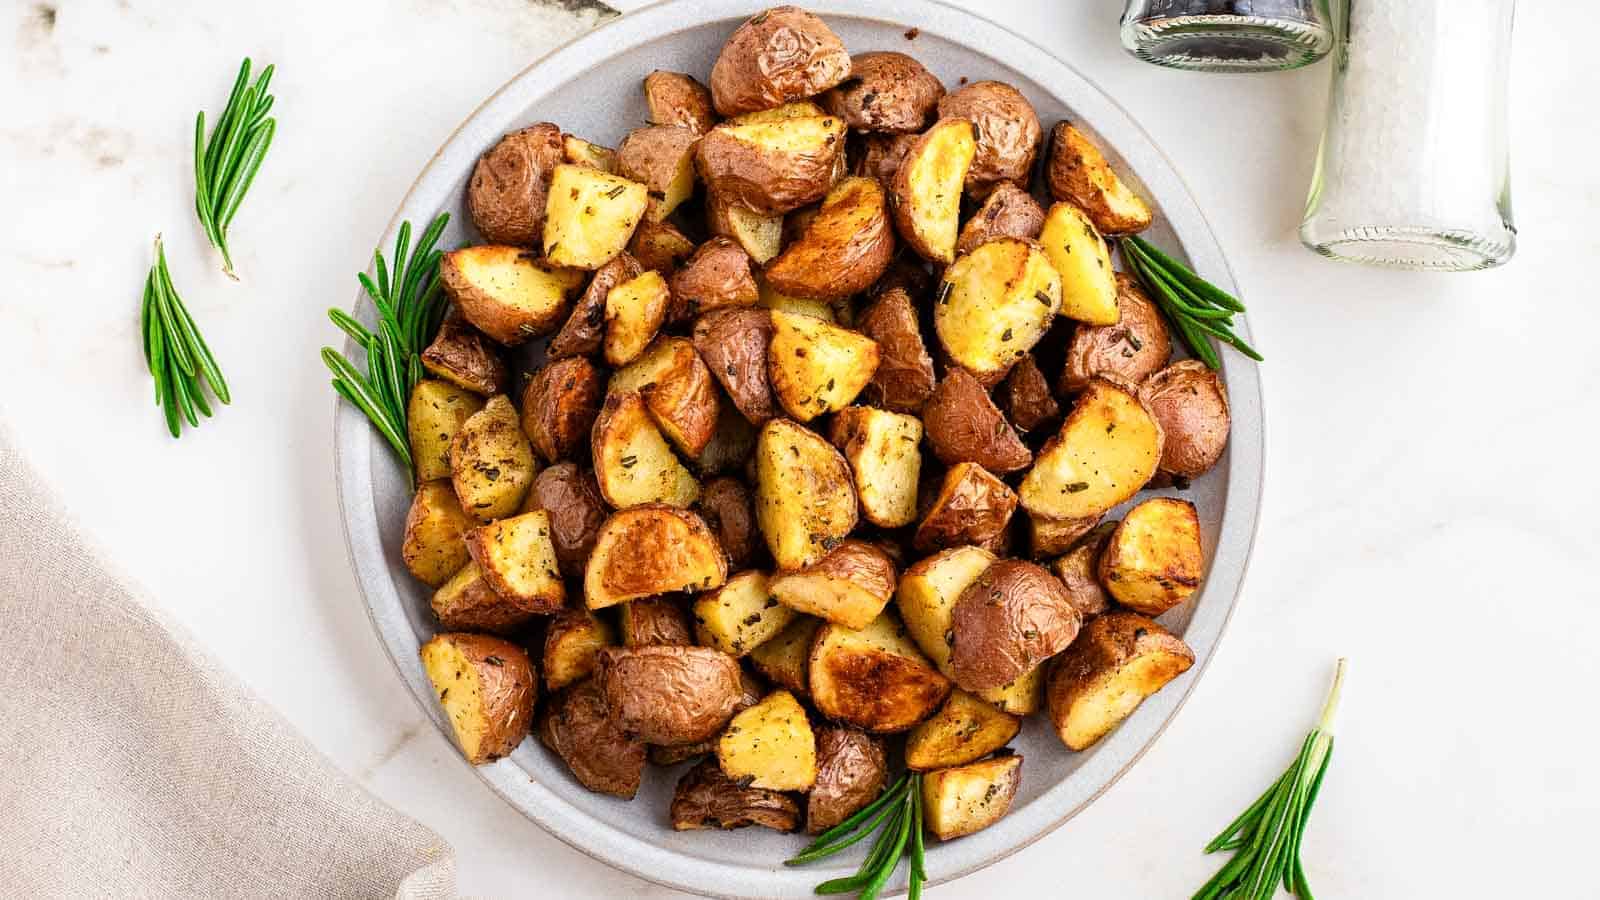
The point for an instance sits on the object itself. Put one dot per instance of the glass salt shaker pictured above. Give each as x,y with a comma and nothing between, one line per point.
1413,169
1228,35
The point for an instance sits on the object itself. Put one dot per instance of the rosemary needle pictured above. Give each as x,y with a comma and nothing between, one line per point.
225,164
1195,307
176,354
898,811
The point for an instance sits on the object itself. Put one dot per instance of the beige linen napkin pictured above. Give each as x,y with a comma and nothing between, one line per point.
132,765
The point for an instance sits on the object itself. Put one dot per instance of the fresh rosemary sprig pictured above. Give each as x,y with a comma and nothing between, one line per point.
225,164
897,818
409,310
1195,307
176,354
1268,834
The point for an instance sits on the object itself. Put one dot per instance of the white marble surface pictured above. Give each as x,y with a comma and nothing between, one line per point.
1429,509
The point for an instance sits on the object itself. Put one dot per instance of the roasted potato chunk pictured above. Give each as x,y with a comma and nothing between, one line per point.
717,275
576,510
467,603
506,196
780,54
706,798
572,644
1080,257
733,343
1154,561
1025,396
904,378
964,425
1191,403
994,304
741,615
435,412
927,595
884,452
463,356
880,156
805,496
559,406
849,586
730,444
674,98
761,237
669,695
635,311
815,367
843,250
653,622
660,157
1007,129
1120,659
591,215
729,509
1009,211
584,332
1078,172
785,659
770,745
927,188
575,726
659,246
433,548
1011,618
873,678
963,799
1131,350
677,390
1105,452
1079,572
851,770
972,507
506,292
752,690
633,464
964,729
518,560
650,550
580,152
491,462
886,91
772,167
487,689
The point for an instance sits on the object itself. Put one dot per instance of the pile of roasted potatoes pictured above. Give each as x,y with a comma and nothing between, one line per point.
815,470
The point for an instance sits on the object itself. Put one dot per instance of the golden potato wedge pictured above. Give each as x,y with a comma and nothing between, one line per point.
816,368
590,216
559,406
580,152
1007,129
805,495
659,246
963,799
506,292
463,356
904,378
927,596
740,616
1009,211
843,250
635,311
653,622
1154,561
964,729
849,586
518,560
994,304
707,798
487,688
884,452
772,167
1105,452
1080,257
972,507
716,276
1051,537
677,390
1078,172
434,546
733,343
660,157
770,745
1130,351
1120,659
584,332
434,414
785,658
927,188
467,602
652,549
506,196
572,644
1191,403
776,56
851,771
874,677
576,726
770,297
1010,619
491,462
674,98
633,464
669,695
760,236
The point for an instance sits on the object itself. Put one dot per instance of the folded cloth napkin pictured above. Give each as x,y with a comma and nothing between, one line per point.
133,765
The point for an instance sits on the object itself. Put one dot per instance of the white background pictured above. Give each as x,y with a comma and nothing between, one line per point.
1431,493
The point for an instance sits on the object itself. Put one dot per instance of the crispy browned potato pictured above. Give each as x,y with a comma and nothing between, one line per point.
873,678
506,196
572,644
434,414
487,688
1052,537
1078,172
467,603
884,452
843,249
927,188
652,622
994,304
1011,618
580,152
1009,211
904,378
733,343
880,155
780,54
805,495
463,356
886,91
717,275
815,367
772,167
1080,256
963,730
849,586
972,507
851,771
677,389
635,311
559,406
729,509
433,548
1154,561
652,549
590,215
1133,349
660,157
760,236
506,292
1025,396
669,695
491,462
659,246
731,443
674,98
584,332
964,425
576,510
633,464
1105,452
1079,571
1120,659
575,725
963,799
741,615
518,560
770,745
785,658
1191,403
706,798
1008,133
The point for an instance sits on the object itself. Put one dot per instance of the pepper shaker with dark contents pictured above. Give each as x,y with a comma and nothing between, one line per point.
1228,35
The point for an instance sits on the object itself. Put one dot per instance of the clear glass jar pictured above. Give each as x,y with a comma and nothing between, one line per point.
1228,35
1413,169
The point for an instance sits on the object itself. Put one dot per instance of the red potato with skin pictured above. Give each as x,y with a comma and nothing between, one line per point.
776,56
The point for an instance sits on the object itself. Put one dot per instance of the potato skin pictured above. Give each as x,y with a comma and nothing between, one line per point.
1008,211
762,179
880,156
777,55
729,510
733,343
850,585
467,602
1105,656
536,296
1025,396
717,275
576,510
1191,403
669,694
851,770
964,425
659,246
706,798
506,692
465,357
576,726
1132,350
654,622
972,507
843,250
506,195
674,98
1049,537
1013,617
1079,572
660,157
904,378
886,91
559,407
585,329
1008,133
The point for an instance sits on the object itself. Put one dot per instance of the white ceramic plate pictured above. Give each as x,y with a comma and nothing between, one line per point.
591,88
